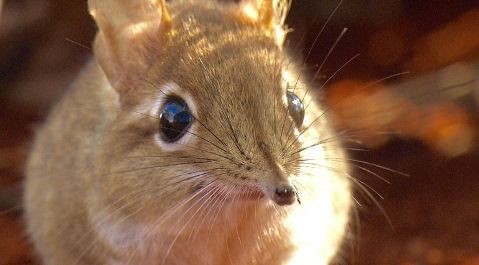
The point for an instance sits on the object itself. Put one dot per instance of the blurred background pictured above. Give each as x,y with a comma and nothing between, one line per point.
402,82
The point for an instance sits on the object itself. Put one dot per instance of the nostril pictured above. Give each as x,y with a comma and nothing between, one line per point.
284,195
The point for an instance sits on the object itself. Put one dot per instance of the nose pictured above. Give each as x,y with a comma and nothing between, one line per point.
284,195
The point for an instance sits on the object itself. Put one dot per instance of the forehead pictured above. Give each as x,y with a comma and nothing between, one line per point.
243,79
213,55
225,67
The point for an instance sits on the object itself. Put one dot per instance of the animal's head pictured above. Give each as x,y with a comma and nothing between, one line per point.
208,102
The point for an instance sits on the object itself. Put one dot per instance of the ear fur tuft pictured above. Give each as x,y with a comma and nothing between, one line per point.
125,29
268,14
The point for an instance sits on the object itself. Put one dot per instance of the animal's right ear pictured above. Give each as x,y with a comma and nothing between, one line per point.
127,31
270,15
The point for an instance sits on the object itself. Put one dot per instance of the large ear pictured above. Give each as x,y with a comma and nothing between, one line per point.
268,14
126,30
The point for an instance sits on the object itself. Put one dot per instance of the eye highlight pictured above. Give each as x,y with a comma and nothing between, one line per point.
175,119
295,108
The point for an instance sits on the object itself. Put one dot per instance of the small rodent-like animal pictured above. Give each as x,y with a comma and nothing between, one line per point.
190,138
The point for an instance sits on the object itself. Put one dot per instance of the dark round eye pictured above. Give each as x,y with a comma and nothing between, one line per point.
295,108
175,119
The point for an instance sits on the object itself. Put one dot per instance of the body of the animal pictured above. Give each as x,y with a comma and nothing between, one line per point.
190,138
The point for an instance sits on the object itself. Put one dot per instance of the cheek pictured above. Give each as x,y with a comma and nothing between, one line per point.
120,233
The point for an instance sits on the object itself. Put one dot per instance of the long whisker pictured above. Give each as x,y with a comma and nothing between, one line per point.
211,132
323,141
345,135
339,101
92,244
339,70
187,131
370,164
160,166
322,29
349,176
200,200
235,137
171,156
221,205
129,202
332,76
170,213
196,118
213,198
364,189
202,214
356,166
341,35
10,210
274,93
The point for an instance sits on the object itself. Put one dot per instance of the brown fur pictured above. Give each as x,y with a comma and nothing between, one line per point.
101,191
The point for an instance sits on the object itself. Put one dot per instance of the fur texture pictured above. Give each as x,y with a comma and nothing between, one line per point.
102,189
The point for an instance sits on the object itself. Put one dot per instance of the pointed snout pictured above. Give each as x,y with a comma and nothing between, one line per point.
280,190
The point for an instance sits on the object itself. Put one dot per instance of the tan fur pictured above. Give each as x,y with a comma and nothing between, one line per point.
100,189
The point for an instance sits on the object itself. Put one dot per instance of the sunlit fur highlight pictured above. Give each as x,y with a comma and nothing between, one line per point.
100,190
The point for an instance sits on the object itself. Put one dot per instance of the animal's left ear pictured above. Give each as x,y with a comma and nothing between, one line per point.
268,14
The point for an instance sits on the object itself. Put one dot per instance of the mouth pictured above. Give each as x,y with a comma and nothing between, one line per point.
281,195
235,192
248,193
